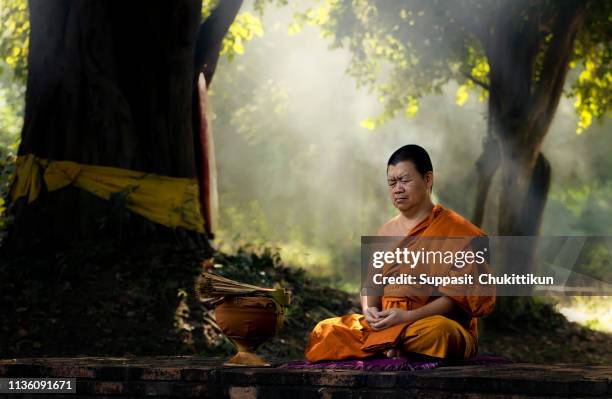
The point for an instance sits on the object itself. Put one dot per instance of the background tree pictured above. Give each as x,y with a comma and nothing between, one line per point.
115,85
514,53
111,85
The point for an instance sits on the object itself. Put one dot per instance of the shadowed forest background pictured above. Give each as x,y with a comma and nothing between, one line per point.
301,145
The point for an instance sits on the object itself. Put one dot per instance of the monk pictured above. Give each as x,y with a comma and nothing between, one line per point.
443,325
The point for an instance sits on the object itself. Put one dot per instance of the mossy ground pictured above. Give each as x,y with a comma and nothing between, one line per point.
138,298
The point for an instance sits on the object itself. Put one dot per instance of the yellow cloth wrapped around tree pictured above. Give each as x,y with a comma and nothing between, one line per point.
169,201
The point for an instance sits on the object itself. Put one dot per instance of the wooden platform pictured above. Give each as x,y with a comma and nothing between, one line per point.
179,377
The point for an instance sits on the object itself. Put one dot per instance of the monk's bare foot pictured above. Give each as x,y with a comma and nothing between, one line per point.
392,353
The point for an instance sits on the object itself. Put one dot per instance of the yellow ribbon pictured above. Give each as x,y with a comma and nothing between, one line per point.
170,201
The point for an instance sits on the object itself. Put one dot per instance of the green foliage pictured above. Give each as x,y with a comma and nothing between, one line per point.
595,261
407,49
595,311
245,27
390,52
13,69
11,119
14,42
11,110
207,7
14,38
593,56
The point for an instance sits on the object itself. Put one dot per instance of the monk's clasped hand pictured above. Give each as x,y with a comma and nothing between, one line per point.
371,315
390,317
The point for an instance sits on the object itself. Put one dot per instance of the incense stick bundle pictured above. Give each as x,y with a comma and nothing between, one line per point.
212,285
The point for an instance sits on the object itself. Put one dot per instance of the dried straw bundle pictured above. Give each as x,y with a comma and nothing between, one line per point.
212,285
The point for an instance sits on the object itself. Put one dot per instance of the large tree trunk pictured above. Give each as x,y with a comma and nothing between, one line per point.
109,83
112,83
486,167
522,108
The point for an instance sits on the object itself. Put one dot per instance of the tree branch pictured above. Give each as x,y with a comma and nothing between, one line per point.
210,37
554,70
478,82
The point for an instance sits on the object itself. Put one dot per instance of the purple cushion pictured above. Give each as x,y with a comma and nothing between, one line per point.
393,364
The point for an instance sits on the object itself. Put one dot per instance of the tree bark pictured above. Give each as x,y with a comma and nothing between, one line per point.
486,167
111,83
522,109
210,37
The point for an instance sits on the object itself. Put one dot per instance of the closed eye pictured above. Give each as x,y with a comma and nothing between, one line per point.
394,182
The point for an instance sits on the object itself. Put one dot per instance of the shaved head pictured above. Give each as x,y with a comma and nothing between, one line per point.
414,153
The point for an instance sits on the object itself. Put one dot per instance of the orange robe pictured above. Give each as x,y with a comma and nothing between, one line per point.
450,336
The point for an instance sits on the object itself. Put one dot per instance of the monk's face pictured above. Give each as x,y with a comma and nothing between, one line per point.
407,187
